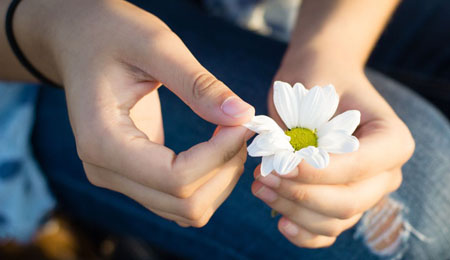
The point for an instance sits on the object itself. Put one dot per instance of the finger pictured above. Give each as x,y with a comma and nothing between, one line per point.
224,145
219,200
165,57
150,123
149,198
120,146
306,218
337,201
191,209
301,237
382,147
182,222
202,193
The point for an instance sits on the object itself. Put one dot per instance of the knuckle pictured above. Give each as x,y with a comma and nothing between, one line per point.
317,176
228,155
180,189
307,243
326,244
314,244
94,179
204,84
200,222
193,210
333,231
302,243
398,179
348,211
410,145
84,148
298,194
178,184
231,152
182,192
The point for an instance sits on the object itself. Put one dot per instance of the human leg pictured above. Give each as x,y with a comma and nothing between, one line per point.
415,49
242,227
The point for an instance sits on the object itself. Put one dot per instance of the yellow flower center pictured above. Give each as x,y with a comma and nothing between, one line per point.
301,137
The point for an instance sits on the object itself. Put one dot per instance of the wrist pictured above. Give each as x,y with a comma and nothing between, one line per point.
35,29
313,66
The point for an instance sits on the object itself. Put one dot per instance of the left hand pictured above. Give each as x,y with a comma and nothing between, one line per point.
318,205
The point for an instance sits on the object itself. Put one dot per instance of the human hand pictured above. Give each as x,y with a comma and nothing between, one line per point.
318,205
111,57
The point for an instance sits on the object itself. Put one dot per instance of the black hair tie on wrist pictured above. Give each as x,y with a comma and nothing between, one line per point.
15,47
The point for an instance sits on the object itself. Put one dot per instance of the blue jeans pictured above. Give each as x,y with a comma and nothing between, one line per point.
242,227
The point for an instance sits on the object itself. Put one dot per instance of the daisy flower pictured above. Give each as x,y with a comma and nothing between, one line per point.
310,136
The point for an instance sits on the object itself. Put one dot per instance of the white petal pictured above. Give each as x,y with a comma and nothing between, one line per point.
347,122
262,124
338,142
318,106
299,91
329,104
268,144
267,165
311,108
285,161
317,157
285,103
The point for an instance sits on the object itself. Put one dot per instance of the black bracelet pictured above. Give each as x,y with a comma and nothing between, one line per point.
15,47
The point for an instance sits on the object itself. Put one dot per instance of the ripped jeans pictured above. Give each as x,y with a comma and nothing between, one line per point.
413,223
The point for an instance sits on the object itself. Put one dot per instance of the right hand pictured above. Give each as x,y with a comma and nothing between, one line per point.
111,57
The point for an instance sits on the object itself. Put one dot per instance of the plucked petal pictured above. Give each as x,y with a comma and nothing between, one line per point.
317,157
286,103
285,161
338,142
262,124
268,144
346,122
267,165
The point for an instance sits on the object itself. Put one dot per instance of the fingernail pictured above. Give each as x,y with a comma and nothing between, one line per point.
290,228
235,107
270,180
266,194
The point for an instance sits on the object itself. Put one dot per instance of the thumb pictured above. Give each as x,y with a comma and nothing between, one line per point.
213,100
175,67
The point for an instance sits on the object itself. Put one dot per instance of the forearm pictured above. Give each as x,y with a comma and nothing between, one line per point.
340,33
32,32
10,66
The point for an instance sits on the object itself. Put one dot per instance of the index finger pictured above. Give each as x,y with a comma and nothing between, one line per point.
157,167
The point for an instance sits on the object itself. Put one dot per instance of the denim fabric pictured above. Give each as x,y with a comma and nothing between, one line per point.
242,227
415,49
24,195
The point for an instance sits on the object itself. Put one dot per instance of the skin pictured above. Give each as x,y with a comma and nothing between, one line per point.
114,106
330,44
116,119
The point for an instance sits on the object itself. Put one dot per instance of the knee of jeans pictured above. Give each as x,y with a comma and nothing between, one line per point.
386,231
